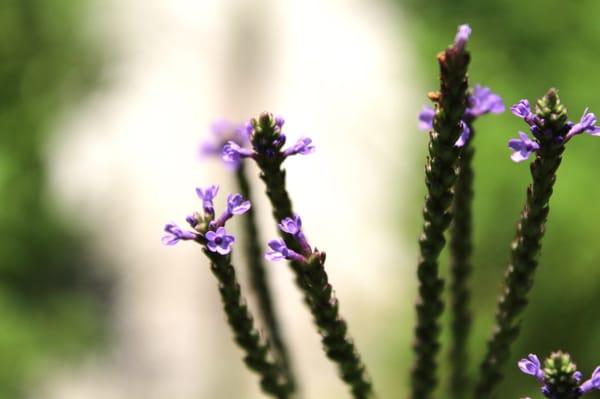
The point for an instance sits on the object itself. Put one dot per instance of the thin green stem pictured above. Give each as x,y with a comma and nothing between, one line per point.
259,277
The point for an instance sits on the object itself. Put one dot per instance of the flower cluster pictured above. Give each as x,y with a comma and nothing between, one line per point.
208,230
523,147
271,146
279,250
481,101
559,375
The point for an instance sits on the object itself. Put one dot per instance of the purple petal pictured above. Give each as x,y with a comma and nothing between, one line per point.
462,36
426,118
521,109
237,205
291,225
464,136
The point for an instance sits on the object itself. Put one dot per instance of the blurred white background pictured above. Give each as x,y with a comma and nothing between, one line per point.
127,163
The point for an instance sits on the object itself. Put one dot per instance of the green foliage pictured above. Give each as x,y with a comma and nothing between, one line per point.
46,306
520,49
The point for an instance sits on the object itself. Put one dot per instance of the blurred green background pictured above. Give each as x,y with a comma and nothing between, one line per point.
51,297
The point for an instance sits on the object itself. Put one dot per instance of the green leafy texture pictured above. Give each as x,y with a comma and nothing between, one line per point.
47,293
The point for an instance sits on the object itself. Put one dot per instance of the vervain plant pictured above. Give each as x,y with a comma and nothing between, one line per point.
449,178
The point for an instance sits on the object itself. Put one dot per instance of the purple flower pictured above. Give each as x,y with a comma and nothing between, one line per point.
174,234
219,241
303,146
233,153
593,384
483,101
522,147
586,124
291,225
532,366
237,205
462,36
523,111
280,251
207,195
426,118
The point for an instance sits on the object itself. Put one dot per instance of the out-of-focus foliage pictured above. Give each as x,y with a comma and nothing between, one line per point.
48,297
520,49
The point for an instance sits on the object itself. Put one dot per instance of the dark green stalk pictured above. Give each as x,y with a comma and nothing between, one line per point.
460,268
241,322
440,176
258,276
526,245
310,277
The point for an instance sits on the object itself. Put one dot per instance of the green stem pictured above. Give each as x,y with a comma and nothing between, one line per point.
259,278
440,176
247,337
460,245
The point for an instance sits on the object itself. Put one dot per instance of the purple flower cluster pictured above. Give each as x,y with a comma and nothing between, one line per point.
523,147
482,101
207,229
233,152
279,250
531,366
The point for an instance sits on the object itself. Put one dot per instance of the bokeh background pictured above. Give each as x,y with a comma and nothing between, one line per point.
103,105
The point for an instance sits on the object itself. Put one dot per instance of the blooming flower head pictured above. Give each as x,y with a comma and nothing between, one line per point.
219,241
211,230
268,140
531,365
280,251
522,147
174,234
462,36
426,118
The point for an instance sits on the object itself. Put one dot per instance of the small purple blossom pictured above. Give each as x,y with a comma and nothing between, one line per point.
483,101
523,111
237,205
207,195
303,146
586,124
291,225
219,241
174,234
532,366
593,384
426,118
522,147
462,36
279,121
280,251
233,153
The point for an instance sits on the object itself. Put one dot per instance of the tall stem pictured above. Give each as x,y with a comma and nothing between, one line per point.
259,277
461,243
